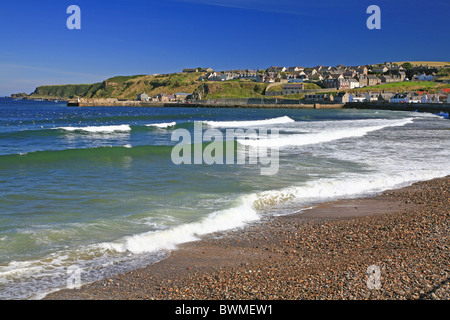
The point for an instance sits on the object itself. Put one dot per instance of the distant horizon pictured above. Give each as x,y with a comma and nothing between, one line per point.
161,37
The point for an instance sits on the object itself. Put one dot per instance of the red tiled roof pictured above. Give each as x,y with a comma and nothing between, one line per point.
446,90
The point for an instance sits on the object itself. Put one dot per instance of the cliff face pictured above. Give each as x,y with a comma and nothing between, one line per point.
66,91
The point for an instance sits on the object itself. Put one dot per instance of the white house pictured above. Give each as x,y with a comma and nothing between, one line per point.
400,98
211,76
353,83
143,97
226,76
342,97
371,96
415,99
357,98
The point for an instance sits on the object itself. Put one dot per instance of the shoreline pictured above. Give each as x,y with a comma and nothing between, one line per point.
320,253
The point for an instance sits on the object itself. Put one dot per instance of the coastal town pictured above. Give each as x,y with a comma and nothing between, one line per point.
327,84
405,83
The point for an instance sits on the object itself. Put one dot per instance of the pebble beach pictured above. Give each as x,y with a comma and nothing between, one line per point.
327,252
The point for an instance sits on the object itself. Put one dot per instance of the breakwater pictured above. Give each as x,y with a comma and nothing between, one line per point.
265,103
219,103
419,107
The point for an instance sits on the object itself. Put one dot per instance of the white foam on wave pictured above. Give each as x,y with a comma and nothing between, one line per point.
161,125
323,190
227,219
321,137
251,123
251,207
99,129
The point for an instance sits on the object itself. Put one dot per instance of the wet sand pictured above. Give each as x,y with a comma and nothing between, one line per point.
320,253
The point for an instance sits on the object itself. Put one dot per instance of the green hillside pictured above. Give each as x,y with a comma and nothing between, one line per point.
230,89
66,91
123,87
128,87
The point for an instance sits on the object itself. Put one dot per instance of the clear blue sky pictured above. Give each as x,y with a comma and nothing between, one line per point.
144,36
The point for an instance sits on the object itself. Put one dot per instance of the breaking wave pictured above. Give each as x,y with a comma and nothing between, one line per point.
98,129
161,125
320,137
238,124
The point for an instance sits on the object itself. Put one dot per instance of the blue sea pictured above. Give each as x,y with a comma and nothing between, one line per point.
97,188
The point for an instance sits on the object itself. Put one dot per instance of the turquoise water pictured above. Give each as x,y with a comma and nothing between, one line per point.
96,188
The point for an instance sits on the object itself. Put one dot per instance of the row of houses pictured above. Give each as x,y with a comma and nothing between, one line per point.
393,97
230,75
400,97
340,77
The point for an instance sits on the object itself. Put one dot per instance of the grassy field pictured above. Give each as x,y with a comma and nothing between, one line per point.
405,86
430,63
232,89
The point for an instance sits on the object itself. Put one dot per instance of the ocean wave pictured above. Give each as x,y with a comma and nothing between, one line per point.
161,125
320,137
227,219
97,154
249,123
98,129
322,190
46,274
251,207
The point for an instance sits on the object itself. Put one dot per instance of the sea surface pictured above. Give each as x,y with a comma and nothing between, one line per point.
96,189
